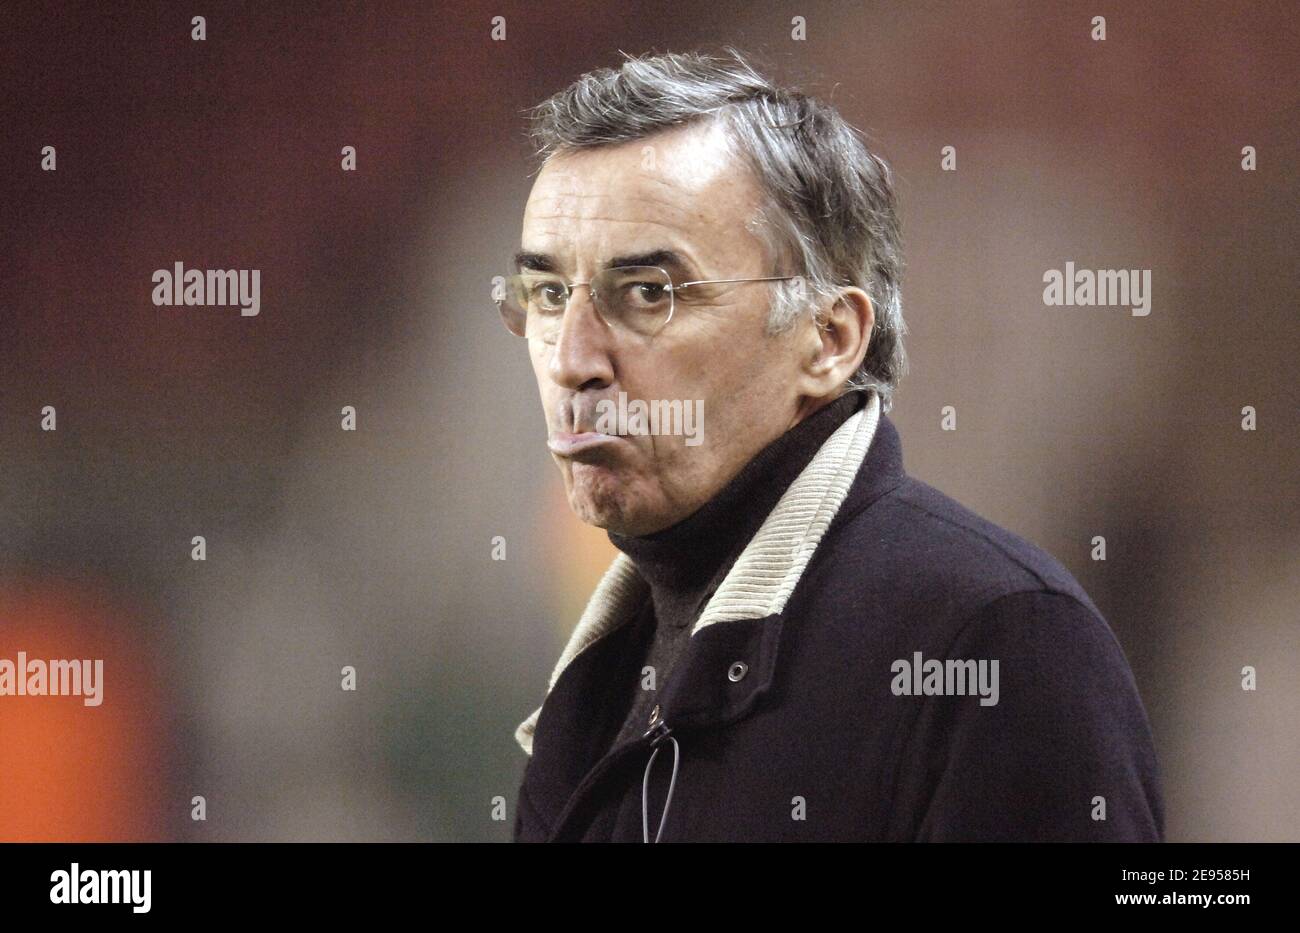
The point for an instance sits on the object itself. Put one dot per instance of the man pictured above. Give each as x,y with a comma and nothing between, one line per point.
798,641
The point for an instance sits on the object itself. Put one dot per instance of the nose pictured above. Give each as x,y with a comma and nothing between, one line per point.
581,356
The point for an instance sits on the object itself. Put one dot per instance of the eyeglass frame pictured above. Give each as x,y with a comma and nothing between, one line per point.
673,288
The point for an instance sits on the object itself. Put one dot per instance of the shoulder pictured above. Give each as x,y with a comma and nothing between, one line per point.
917,543
917,570
931,575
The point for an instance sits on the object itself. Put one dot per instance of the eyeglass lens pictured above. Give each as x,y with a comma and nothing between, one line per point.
638,299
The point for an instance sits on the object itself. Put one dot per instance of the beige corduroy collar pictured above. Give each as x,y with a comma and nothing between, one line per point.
767,570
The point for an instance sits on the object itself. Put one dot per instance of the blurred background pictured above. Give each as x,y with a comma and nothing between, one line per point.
373,548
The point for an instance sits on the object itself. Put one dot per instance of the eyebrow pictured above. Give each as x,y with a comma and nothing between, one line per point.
541,262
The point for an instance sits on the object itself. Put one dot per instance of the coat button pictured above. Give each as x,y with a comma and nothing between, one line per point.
737,671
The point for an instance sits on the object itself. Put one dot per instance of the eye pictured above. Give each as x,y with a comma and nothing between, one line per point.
547,296
645,296
651,291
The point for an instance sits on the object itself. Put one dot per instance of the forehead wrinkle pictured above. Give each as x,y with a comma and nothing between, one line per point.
667,225
661,188
693,229
561,205
684,238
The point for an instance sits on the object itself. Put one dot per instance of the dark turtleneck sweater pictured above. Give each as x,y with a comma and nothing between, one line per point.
685,563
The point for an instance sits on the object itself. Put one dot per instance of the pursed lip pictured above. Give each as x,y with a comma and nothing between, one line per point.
563,444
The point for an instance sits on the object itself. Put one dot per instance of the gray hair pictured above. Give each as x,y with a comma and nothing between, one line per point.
829,211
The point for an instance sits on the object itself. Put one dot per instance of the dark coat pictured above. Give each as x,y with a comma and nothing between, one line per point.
787,708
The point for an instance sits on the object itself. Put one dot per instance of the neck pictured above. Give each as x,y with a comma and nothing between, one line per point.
684,562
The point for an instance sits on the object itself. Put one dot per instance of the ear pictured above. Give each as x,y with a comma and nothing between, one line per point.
836,340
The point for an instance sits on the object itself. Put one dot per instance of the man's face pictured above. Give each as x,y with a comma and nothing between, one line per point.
679,192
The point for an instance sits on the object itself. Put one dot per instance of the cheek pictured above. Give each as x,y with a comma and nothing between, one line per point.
546,388
675,468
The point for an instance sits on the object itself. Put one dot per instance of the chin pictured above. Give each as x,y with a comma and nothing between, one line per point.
601,498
